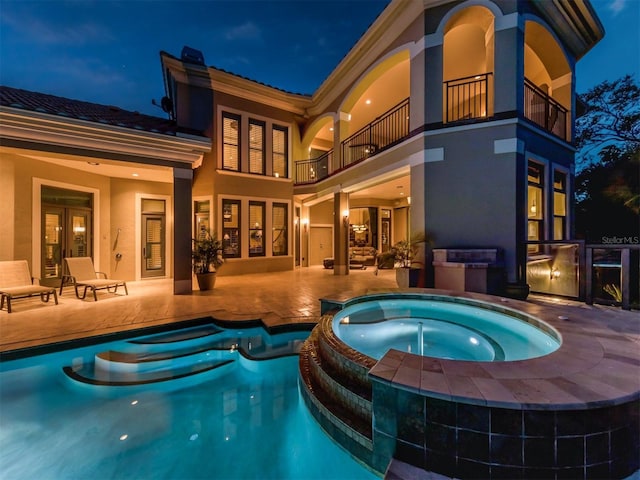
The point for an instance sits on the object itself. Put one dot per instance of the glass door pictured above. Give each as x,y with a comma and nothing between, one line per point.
153,238
53,220
66,233
385,236
78,230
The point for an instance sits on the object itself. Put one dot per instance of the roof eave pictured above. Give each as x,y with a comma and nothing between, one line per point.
576,20
43,129
226,82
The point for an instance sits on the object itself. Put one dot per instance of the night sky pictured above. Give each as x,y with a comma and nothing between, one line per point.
108,51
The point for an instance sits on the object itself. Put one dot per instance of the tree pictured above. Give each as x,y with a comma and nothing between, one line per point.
608,164
607,193
612,115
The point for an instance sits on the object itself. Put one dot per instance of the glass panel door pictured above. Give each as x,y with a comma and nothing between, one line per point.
153,250
52,220
66,233
385,236
78,231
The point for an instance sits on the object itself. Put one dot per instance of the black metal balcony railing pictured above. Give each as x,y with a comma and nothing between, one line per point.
314,170
467,98
543,110
384,132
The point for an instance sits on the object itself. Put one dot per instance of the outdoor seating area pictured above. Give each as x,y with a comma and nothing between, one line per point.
82,274
16,282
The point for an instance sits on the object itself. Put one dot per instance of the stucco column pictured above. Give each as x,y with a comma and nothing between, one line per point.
508,77
418,218
341,234
182,179
433,65
417,87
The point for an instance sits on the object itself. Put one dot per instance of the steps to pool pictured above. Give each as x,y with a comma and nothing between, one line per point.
180,358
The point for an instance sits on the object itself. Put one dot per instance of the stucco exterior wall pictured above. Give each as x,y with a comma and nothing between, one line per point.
124,218
470,196
7,200
21,171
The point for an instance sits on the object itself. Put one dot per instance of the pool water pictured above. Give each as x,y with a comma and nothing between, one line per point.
247,422
441,329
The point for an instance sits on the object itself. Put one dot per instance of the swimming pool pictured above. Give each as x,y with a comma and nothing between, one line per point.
443,330
246,420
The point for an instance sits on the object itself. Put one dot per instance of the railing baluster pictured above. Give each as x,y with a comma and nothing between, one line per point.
464,97
553,118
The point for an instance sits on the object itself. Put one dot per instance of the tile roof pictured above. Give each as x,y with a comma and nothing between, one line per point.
162,52
91,112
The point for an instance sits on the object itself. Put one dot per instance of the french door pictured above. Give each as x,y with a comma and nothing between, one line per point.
66,232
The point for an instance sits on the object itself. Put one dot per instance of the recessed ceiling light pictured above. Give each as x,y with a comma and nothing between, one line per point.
331,129
135,175
367,101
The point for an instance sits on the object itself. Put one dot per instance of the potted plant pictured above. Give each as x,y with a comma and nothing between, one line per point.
207,258
403,254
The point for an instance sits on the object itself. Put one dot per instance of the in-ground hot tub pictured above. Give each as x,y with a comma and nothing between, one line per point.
442,329
569,410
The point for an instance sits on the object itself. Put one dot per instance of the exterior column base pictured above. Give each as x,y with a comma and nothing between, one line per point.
340,269
181,287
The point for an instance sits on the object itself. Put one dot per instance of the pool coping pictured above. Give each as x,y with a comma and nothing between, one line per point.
595,366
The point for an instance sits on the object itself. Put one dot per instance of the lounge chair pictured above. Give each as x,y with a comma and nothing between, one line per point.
16,282
82,274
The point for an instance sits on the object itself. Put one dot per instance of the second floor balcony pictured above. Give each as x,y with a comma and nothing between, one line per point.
385,131
466,100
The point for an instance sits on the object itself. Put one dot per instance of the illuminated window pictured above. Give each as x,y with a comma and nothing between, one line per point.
535,207
231,228
256,229
201,221
280,157
279,225
256,147
559,205
230,142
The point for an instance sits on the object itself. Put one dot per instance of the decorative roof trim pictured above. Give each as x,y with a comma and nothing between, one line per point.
32,126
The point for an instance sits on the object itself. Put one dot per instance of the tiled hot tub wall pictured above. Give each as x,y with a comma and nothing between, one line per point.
574,413
475,441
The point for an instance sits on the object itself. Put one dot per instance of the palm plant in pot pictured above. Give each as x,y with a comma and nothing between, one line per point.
206,254
404,252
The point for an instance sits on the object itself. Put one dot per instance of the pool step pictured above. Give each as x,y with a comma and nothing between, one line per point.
104,378
182,357
116,361
186,334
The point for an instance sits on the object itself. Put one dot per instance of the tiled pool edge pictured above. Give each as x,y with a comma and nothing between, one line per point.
584,398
